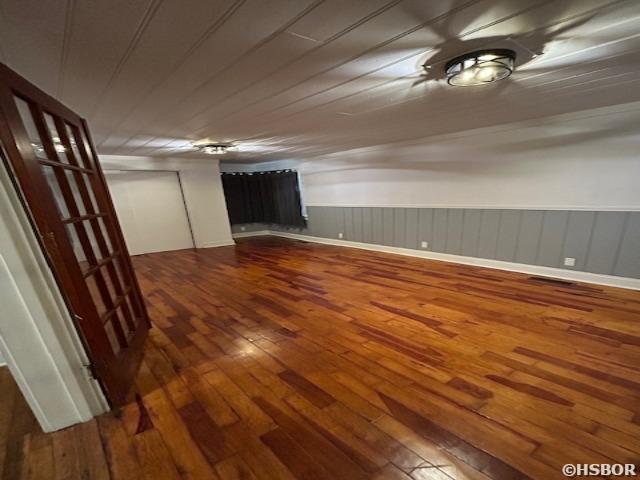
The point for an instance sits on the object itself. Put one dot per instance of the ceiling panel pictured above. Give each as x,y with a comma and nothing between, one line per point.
268,65
507,17
251,25
155,55
299,78
311,73
32,37
100,34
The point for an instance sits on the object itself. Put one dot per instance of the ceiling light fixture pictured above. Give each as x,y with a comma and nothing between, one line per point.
480,67
213,148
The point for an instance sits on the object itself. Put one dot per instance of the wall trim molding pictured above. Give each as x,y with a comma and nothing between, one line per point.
578,276
222,243
251,234
614,208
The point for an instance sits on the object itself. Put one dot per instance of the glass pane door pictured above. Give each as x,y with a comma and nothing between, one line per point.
55,165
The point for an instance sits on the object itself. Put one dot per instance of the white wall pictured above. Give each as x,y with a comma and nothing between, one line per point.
202,187
586,160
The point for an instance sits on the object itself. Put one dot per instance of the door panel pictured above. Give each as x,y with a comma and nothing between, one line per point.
151,210
48,149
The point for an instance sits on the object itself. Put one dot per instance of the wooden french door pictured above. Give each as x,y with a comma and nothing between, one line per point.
48,149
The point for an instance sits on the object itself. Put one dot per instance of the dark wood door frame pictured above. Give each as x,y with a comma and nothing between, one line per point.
89,215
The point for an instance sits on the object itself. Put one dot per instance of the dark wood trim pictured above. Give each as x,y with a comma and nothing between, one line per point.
81,218
117,303
94,215
102,262
108,202
67,166
70,201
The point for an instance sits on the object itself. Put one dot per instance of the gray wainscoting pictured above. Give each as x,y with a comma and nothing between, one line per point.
601,242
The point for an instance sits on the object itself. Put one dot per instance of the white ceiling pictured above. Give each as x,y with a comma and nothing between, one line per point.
288,79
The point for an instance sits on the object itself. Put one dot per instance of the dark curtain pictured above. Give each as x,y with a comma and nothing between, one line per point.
264,197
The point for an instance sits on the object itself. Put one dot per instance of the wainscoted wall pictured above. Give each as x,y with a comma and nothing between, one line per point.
604,242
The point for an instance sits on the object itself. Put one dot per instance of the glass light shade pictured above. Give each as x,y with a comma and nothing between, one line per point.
480,68
214,149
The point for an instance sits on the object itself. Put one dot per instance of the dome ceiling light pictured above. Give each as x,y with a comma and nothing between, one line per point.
213,148
480,67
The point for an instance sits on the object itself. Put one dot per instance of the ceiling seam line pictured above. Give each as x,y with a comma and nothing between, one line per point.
324,43
355,57
566,19
383,44
256,47
212,30
588,12
137,36
66,41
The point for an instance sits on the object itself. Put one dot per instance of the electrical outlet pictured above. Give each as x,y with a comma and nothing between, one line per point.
424,244
340,235
569,262
242,229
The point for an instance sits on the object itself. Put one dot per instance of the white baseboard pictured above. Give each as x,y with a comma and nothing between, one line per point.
251,234
578,276
223,243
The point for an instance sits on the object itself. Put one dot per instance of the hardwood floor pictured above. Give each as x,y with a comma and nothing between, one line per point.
16,422
278,359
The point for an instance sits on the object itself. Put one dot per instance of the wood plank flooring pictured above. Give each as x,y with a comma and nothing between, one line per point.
278,359
16,422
